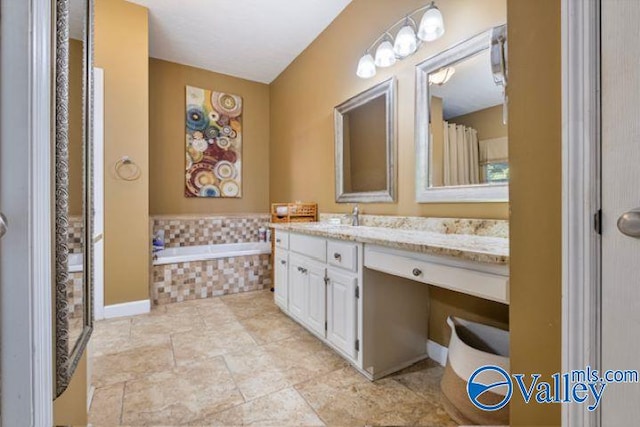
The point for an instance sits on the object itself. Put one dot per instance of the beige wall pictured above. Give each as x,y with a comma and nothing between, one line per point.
367,147
436,123
535,227
121,49
167,81
487,122
75,127
70,408
323,76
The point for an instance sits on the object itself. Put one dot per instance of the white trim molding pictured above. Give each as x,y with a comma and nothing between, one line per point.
127,309
437,353
581,195
26,271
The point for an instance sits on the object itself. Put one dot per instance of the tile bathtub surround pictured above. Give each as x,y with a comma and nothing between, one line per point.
209,230
475,227
274,373
204,279
76,234
74,295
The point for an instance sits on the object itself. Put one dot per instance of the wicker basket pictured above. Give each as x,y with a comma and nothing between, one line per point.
295,212
472,346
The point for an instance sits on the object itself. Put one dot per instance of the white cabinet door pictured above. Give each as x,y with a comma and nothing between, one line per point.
297,288
342,311
281,273
316,297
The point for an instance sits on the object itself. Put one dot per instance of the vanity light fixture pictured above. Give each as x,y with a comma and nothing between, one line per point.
366,67
442,76
407,40
431,25
385,56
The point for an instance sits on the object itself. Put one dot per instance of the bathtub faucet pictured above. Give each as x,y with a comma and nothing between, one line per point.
355,216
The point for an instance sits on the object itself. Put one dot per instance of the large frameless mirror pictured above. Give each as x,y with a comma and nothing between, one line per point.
73,254
365,146
461,122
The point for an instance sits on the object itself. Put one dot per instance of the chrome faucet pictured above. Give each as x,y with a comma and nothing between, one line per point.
355,216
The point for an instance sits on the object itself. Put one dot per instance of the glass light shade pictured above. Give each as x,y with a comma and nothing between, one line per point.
366,67
431,25
442,76
406,42
385,56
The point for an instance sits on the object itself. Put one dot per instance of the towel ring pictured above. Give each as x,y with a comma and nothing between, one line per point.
126,169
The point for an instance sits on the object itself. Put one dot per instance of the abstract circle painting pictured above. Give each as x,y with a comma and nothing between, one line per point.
213,135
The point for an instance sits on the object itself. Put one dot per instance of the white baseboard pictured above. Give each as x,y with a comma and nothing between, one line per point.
127,309
437,352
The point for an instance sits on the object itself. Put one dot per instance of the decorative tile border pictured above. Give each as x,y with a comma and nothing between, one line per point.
476,227
209,230
74,295
204,279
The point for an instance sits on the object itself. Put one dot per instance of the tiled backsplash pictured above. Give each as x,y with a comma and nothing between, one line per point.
477,227
204,279
209,230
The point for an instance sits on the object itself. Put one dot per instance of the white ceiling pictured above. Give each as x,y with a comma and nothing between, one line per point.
251,39
470,89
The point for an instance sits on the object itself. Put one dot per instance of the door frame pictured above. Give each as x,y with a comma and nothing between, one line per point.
581,157
26,304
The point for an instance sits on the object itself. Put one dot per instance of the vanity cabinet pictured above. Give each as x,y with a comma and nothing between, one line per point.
307,285
342,311
370,301
318,281
281,281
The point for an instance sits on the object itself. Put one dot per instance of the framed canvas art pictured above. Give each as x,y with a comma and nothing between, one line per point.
213,144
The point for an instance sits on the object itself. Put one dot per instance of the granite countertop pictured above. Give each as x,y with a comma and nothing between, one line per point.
479,248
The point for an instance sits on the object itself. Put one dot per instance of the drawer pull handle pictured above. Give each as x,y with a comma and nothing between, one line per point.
417,272
337,256
283,262
278,241
302,270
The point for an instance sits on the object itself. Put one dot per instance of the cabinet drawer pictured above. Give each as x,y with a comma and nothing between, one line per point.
282,239
314,247
342,254
482,284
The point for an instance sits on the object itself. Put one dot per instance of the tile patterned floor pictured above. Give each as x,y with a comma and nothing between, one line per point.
237,360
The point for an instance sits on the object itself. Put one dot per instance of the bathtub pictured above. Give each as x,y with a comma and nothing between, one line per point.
74,263
195,272
210,252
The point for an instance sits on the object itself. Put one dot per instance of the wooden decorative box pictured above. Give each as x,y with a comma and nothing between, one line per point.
294,212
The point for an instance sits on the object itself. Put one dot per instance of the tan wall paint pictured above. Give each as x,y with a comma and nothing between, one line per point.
121,49
535,227
323,76
367,147
167,81
75,127
437,142
487,122
70,409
